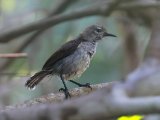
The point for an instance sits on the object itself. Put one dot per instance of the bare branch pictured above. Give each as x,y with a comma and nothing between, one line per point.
93,10
59,9
59,97
102,104
105,9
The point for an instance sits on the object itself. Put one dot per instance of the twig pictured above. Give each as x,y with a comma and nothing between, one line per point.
9,62
13,55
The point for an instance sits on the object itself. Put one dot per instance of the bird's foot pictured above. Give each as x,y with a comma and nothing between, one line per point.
87,85
66,92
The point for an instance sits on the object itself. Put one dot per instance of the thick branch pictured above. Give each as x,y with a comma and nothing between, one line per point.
59,97
102,104
111,101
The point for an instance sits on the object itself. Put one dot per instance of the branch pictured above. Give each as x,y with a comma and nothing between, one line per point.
52,21
140,5
59,97
105,9
14,55
110,102
8,62
61,7
102,104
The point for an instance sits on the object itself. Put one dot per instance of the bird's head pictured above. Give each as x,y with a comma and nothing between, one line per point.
95,33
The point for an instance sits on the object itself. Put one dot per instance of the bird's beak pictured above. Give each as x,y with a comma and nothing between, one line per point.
108,34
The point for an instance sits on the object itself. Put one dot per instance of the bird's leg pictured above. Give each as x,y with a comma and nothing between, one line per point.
65,89
81,85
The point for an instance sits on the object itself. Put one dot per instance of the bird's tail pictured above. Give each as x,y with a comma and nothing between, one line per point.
35,79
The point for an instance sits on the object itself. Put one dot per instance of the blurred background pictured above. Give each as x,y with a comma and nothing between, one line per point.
115,57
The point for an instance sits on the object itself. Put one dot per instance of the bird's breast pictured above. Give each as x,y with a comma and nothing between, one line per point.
78,62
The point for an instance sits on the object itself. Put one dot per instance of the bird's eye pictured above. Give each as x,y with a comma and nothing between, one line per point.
98,30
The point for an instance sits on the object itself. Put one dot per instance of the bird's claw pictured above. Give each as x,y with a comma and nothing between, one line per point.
61,90
87,85
66,93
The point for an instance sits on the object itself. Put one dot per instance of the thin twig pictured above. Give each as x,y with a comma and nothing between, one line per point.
13,55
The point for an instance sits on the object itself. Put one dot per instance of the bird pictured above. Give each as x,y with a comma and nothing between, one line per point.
71,59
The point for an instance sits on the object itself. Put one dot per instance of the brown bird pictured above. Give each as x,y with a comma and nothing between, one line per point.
72,59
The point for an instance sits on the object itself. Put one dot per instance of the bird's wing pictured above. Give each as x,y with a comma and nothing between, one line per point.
66,50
